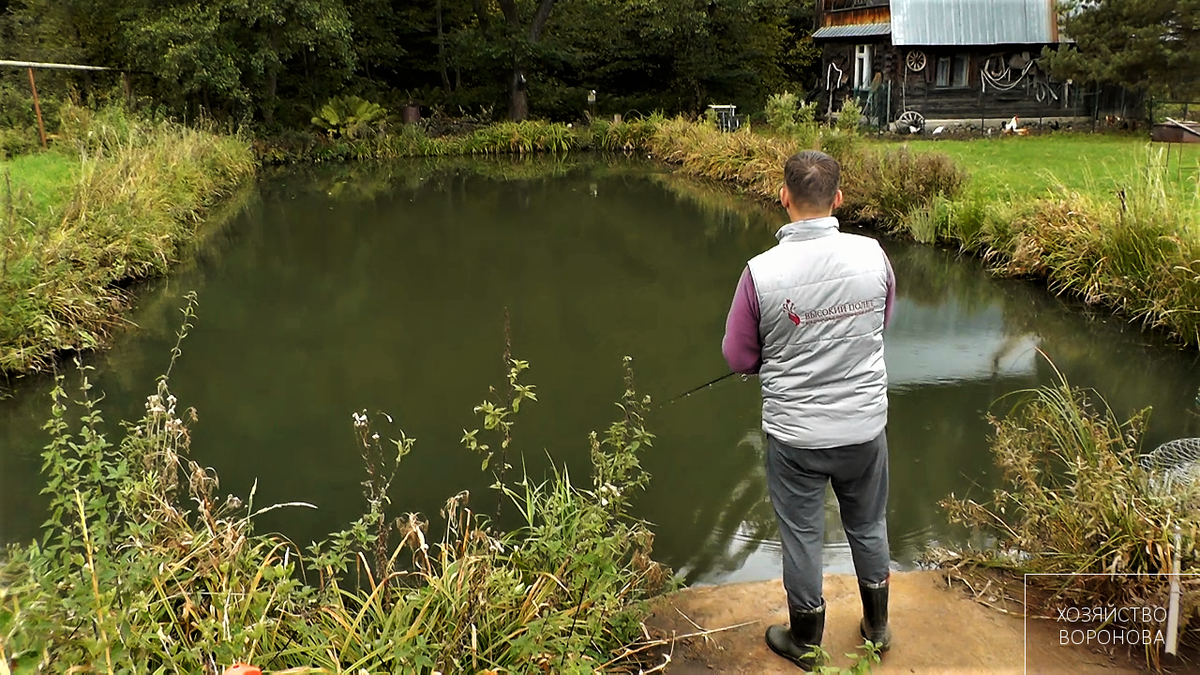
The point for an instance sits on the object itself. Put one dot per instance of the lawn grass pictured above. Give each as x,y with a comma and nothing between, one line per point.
1035,166
43,181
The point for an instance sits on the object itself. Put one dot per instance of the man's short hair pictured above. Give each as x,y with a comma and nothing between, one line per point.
812,179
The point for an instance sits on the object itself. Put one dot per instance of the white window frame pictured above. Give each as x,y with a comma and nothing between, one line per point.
862,66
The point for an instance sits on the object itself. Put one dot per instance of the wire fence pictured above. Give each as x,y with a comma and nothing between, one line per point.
1100,107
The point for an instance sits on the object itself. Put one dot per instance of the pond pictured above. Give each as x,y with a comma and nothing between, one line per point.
385,288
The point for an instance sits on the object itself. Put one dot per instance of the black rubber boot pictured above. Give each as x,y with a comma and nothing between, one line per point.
795,642
874,625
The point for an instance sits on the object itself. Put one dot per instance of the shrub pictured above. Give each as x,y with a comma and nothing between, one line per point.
781,110
17,110
15,142
788,116
850,116
889,185
785,111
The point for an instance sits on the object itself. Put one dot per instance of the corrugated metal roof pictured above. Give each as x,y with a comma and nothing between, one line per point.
974,22
853,30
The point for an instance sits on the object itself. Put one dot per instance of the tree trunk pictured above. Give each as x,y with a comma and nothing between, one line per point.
312,86
268,107
441,44
485,24
518,104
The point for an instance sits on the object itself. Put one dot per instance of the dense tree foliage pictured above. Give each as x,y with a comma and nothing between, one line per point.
272,62
1148,45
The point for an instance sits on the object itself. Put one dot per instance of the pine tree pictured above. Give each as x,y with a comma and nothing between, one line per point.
1151,46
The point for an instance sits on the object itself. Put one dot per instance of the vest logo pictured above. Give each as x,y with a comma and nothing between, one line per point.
790,310
843,311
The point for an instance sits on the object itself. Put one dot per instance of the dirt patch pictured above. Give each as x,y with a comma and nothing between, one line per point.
938,627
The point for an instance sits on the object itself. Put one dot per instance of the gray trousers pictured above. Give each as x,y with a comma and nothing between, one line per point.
796,480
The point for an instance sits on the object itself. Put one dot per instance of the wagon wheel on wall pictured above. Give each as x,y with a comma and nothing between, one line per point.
915,60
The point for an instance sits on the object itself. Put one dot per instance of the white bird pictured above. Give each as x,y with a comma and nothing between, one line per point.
913,130
1011,125
938,130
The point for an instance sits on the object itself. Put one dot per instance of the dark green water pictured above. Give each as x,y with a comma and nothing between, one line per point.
349,288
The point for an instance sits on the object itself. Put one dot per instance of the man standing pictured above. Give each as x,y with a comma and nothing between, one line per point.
808,317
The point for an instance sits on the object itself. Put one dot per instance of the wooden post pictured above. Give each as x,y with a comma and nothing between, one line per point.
128,88
37,108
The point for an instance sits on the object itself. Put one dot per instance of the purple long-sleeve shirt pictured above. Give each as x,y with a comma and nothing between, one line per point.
742,344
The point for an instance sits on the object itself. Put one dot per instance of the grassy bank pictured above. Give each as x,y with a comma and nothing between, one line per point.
117,199
1135,251
146,565
1090,216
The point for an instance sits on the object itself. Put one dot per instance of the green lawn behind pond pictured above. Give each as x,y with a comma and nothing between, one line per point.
1035,166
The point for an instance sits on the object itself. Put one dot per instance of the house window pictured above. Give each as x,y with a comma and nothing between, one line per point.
943,71
953,71
862,66
960,70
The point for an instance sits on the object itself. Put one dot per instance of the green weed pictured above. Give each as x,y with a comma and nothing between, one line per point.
143,566
861,665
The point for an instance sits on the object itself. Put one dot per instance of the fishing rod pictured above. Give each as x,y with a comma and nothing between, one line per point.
689,392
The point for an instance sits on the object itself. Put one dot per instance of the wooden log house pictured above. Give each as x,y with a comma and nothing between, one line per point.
912,62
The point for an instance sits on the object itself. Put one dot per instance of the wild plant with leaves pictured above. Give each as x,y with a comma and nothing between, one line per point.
125,577
144,567
349,116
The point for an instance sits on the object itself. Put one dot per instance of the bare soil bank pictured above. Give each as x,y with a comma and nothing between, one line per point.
938,626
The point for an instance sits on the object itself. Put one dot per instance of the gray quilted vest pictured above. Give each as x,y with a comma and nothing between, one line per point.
821,298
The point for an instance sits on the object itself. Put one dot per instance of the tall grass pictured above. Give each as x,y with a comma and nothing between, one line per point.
137,193
410,140
145,567
881,185
1076,501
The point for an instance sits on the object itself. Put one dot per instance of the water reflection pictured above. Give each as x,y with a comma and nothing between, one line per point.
384,287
